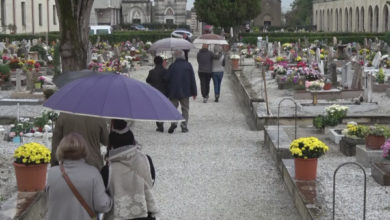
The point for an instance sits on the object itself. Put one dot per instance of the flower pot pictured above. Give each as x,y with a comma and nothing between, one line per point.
37,85
235,64
305,169
30,178
374,142
327,86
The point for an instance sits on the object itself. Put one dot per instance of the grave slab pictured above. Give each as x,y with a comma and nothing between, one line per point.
381,173
367,157
348,145
335,135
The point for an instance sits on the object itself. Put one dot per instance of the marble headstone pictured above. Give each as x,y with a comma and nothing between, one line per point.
318,55
377,60
347,75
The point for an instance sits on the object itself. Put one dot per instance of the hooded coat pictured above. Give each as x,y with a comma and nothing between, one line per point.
130,184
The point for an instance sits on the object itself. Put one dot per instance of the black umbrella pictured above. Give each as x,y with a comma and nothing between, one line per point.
67,77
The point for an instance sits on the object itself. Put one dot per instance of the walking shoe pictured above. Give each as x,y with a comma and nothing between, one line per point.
160,129
216,98
172,128
184,129
204,100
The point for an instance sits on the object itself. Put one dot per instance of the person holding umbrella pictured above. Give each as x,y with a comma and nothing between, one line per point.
156,79
205,62
181,85
185,37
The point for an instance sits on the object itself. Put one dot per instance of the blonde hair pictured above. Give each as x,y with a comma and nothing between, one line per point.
72,147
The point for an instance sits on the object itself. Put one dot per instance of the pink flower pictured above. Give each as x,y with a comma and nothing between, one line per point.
12,134
21,134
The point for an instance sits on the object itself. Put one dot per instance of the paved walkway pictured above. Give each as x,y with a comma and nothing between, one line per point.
220,169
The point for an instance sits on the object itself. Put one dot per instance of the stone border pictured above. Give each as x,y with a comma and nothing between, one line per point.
306,194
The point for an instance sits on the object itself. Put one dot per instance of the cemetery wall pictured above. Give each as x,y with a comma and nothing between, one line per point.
35,16
351,15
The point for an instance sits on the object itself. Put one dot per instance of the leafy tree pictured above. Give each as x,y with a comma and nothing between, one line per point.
74,21
227,13
301,13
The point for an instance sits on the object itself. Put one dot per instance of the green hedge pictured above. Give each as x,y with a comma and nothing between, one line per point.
159,26
117,36
251,38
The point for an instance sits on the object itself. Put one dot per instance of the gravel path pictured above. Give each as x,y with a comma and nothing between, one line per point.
219,170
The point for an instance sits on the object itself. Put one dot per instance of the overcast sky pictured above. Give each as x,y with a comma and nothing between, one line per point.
285,4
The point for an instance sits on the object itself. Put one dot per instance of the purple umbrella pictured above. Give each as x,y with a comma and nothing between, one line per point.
113,96
169,44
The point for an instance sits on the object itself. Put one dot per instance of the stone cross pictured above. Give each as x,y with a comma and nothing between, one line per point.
377,60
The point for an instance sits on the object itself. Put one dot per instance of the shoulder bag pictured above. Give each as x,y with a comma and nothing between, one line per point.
83,203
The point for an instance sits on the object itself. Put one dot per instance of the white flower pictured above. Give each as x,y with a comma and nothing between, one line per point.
352,123
234,56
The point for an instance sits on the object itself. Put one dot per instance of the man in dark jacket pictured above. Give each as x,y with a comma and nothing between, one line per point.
156,79
181,85
185,37
205,61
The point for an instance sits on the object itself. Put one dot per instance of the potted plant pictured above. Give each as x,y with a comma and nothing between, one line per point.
306,151
14,64
31,160
40,122
375,136
354,135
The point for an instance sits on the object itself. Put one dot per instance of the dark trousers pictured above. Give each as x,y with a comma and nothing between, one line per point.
205,83
186,54
185,108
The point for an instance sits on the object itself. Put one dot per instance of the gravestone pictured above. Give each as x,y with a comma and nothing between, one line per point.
377,60
340,52
357,77
333,73
367,86
358,48
18,80
365,43
270,51
29,81
347,75
318,55
331,53
321,67
279,46
310,57
334,41
369,44
100,59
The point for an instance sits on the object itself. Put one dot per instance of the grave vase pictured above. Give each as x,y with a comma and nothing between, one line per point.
30,178
327,86
374,142
305,169
235,64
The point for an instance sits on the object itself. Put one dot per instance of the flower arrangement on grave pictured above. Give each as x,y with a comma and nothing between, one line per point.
335,114
376,136
322,56
4,72
32,153
306,151
361,51
314,85
355,130
15,63
312,52
40,122
287,46
387,64
280,58
380,76
280,70
258,59
386,149
29,64
268,63
5,58
301,64
308,147
234,56
95,66
298,59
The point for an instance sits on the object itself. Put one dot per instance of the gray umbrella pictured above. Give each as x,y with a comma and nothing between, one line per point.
169,44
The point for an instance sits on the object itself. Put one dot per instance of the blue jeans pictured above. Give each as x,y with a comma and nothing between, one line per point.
217,79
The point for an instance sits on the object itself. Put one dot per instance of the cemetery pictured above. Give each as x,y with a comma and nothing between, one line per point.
335,92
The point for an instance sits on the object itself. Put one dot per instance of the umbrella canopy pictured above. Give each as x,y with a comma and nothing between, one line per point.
210,39
67,77
168,44
113,96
